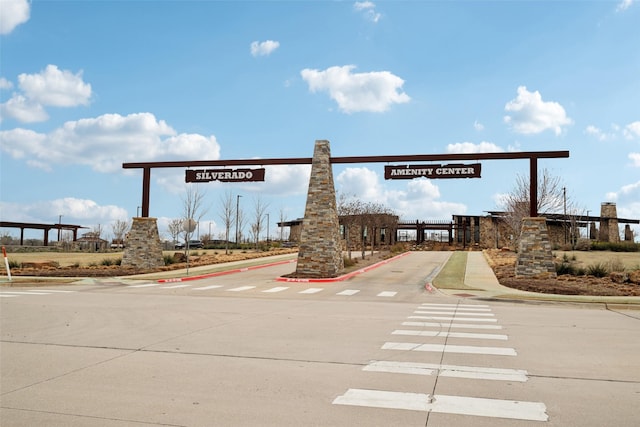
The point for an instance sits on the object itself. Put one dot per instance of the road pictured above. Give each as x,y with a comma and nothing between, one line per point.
247,350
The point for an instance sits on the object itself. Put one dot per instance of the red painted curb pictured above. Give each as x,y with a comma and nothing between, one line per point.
343,277
222,273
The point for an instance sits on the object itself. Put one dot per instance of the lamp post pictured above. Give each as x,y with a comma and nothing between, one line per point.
59,227
267,228
237,216
138,211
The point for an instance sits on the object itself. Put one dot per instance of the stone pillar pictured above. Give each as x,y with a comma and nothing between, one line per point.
535,258
609,223
628,233
320,253
593,231
143,249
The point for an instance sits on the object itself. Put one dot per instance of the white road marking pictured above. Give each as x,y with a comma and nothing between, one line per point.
146,285
446,348
387,294
175,287
56,291
453,313
240,288
510,409
462,319
7,296
465,306
348,292
277,289
448,325
206,288
311,291
470,372
450,334
25,293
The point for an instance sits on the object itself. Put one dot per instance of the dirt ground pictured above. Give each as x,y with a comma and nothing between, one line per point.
503,264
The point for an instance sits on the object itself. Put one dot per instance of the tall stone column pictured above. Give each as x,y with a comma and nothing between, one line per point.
535,258
142,245
320,253
609,223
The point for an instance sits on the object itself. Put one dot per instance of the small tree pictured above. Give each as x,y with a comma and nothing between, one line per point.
119,229
174,228
259,211
193,210
551,199
227,215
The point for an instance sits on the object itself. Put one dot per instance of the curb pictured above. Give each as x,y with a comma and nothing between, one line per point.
344,276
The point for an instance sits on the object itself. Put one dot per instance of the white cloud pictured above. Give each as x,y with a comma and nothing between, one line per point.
354,92
597,133
5,84
635,158
418,200
107,141
632,130
368,9
264,48
470,147
13,13
51,87
624,5
530,114
478,126
73,211
55,87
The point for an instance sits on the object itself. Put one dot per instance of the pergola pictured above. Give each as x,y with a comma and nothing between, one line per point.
532,156
45,227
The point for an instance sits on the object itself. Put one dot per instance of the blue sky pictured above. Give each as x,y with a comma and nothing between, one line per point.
88,85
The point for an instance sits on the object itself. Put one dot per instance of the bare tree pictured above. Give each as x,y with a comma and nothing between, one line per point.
174,228
259,212
119,229
192,211
281,227
227,215
551,199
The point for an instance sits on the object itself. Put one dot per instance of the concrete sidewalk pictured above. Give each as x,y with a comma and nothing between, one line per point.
480,277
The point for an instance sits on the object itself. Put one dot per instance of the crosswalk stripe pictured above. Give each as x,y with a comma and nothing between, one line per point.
206,288
277,289
468,306
446,348
453,313
7,296
311,291
387,294
146,285
450,334
462,319
348,292
25,293
458,309
240,288
474,406
449,325
175,287
454,371
56,291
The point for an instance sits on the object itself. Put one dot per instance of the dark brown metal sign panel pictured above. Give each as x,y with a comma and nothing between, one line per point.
224,175
432,171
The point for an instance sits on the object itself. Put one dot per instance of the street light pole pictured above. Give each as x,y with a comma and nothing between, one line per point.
267,228
59,227
237,216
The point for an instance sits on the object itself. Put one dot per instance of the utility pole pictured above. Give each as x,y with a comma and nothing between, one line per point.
564,193
237,216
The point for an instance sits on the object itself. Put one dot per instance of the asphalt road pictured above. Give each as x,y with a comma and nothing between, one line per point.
247,350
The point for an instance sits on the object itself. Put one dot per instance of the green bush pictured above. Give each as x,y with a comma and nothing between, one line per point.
14,264
565,268
168,259
615,246
107,262
599,269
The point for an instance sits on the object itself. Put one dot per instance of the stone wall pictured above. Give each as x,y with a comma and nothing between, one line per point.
143,249
535,258
320,253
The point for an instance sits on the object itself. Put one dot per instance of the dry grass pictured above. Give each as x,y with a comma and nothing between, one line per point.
630,260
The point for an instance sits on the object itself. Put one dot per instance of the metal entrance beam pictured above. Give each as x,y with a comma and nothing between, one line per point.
533,156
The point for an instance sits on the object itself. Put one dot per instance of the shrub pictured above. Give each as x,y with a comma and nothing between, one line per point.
107,262
616,265
599,269
14,264
565,268
349,262
615,246
583,245
168,259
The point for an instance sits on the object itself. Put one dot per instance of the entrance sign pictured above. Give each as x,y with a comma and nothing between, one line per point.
432,171
224,175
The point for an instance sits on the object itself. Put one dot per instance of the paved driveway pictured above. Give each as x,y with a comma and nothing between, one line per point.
247,350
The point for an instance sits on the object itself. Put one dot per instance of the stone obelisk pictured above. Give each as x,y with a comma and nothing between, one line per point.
320,253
